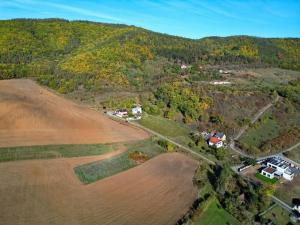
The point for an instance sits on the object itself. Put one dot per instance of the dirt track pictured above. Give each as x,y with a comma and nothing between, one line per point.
48,192
32,115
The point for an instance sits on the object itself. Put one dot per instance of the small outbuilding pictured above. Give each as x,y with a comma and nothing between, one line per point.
136,110
268,172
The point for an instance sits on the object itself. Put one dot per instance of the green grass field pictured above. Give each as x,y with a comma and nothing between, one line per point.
277,215
164,126
294,154
53,151
92,172
265,179
275,123
265,131
214,214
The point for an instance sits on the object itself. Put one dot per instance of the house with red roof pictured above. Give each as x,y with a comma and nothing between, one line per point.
215,142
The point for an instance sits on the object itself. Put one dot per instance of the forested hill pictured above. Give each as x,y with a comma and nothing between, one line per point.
65,54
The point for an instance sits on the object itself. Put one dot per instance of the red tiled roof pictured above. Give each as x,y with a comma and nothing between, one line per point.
214,140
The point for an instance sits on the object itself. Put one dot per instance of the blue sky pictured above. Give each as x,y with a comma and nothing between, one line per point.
189,18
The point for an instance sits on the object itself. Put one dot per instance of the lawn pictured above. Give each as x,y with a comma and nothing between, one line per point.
53,151
289,190
266,179
164,126
94,171
214,214
277,215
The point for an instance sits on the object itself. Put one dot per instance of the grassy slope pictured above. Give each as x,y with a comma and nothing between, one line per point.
214,214
53,151
164,126
278,216
176,131
265,131
294,154
274,123
288,190
92,172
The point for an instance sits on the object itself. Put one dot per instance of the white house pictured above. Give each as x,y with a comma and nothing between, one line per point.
268,172
136,110
183,66
215,142
121,112
296,204
282,168
221,136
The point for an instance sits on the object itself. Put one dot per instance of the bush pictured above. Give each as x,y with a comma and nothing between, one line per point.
168,146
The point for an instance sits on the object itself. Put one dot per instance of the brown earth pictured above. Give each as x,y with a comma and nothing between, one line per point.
48,192
32,115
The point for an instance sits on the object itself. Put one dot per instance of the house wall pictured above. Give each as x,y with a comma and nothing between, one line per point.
288,176
268,175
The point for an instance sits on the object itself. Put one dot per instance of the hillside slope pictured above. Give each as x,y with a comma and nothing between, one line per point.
65,55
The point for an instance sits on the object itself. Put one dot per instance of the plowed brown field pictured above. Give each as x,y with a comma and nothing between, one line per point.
32,115
47,192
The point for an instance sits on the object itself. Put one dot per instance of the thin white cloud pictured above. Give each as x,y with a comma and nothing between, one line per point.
81,11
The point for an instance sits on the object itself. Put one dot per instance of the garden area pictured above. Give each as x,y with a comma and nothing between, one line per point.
137,153
266,179
53,151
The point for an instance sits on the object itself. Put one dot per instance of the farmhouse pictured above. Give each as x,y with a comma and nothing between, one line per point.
215,142
121,112
221,136
136,110
278,167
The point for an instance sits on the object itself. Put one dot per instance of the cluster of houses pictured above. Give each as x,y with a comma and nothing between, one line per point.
214,139
278,167
136,112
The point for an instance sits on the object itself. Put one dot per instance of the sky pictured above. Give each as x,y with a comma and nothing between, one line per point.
187,18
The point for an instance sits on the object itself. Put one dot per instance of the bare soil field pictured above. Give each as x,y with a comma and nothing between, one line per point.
32,115
46,192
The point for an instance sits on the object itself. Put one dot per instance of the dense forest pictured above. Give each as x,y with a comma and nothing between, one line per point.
65,55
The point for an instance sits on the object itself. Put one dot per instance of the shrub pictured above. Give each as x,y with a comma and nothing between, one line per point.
168,146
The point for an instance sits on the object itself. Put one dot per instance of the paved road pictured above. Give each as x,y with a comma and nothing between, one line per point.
173,142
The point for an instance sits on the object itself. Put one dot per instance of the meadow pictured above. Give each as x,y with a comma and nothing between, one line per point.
91,172
53,151
213,214
277,215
